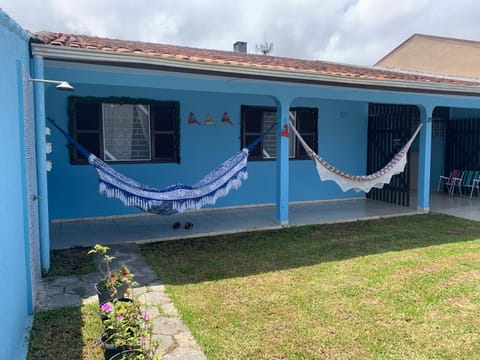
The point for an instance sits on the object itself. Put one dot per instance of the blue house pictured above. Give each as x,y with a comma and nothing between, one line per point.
165,114
185,93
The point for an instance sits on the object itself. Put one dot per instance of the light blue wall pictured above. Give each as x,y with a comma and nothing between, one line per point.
438,160
203,148
15,304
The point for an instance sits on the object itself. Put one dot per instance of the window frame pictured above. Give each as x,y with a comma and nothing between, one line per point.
299,153
77,159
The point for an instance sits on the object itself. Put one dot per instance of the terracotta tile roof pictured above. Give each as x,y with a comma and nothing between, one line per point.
239,59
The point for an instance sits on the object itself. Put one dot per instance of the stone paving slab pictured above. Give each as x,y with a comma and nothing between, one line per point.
176,341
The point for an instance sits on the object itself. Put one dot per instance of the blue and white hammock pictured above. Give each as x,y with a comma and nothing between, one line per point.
175,198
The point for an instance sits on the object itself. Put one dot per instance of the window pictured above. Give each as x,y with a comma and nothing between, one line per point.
125,130
256,120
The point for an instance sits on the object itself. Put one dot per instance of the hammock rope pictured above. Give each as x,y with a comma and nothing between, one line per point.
175,198
364,183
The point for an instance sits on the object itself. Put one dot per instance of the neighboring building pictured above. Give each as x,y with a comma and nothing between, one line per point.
435,55
155,113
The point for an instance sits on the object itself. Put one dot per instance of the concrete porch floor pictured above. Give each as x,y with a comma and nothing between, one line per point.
150,228
460,206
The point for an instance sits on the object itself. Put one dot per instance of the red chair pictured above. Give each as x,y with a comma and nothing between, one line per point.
454,180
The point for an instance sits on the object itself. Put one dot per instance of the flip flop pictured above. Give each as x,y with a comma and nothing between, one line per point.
176,225
188,225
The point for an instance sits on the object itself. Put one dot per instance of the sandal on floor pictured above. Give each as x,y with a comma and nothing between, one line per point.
188,225
176,225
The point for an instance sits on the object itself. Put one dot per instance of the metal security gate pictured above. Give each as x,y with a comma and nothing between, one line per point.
462,144
389,128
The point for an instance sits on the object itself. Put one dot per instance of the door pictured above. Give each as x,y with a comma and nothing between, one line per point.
389,128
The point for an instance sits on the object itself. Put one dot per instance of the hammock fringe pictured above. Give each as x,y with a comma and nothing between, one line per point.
359,182
175,198
172,206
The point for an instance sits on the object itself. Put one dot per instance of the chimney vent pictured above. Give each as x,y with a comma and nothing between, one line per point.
240,47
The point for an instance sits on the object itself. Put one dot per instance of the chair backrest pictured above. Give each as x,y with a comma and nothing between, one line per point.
476,175
456,173
468,177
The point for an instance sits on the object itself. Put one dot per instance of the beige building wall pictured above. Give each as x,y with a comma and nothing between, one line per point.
436,55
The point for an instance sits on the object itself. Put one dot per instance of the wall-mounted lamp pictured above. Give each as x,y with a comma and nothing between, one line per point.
61,85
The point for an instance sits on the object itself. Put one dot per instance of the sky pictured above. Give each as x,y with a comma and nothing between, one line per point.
358,32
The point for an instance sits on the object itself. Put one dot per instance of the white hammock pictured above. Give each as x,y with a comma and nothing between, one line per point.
364,182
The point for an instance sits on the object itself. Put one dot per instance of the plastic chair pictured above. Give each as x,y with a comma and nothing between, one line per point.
451,182
475,183
467,180
458,181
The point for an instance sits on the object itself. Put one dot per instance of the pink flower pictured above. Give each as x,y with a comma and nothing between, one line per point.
119,318
146,316
107,307
143,341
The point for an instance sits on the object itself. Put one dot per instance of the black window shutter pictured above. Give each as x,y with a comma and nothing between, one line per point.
165,130
86,129
252,125
307,127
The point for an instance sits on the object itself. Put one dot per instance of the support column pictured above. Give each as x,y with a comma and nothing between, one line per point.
282,170
425,158
40,148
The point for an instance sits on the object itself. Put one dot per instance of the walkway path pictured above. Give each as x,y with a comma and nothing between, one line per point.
176,340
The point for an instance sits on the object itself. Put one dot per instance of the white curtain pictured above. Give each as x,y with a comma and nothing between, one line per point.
117,131
143,117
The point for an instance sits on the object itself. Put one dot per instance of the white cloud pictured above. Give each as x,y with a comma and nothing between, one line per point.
348,31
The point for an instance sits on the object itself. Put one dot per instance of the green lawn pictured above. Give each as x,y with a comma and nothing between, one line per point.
74,261
399,288
66,334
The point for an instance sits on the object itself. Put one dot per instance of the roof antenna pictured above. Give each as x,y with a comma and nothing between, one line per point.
266,48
